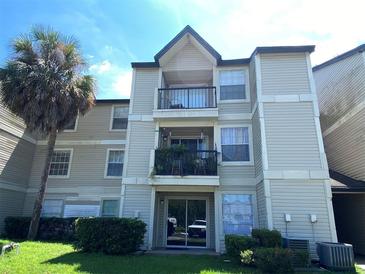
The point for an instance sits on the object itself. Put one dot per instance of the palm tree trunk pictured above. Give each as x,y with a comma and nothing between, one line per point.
33,228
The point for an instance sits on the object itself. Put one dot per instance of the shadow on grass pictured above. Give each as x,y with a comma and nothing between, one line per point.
99,263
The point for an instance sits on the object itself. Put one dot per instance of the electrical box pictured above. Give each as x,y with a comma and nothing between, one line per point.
136,213
287,217
313,218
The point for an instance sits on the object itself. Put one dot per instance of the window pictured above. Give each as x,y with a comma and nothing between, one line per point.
235,144
115,160
71,126
81,210
60,163
52,208
237,214
232,85
110,208
119,118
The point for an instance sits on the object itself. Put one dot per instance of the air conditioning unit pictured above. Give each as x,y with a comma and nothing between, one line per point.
336,256
297,245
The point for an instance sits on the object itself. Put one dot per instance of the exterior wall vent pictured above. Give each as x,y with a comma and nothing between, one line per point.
336,256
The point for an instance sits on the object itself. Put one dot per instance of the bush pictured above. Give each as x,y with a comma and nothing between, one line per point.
273,260
267,238
235,244
300,258
109,235
56,229
247,257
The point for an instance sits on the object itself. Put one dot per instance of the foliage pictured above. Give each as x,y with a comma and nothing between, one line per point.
300,258
267,238
44,81
109,235
273,260
57,229
42,257
247,257
235,244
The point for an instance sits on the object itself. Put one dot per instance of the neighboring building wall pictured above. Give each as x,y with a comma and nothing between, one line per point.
341,93
294,163
86,184
350,223
16,155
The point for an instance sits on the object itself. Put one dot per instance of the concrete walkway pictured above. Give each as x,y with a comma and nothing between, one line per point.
360,261
183,251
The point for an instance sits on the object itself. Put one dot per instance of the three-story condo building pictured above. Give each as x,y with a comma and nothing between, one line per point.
205,147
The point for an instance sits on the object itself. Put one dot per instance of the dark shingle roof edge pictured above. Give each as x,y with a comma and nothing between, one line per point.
343,183
232,62
340,57
192,32
112,101
145,65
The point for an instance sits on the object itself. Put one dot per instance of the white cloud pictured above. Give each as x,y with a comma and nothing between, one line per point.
236,27
101,68
122,84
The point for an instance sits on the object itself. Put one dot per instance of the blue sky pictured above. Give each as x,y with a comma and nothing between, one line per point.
114,33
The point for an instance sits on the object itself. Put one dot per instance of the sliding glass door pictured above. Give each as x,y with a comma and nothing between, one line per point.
187,223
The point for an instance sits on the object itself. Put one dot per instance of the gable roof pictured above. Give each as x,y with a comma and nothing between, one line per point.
181,34
220,62
340,57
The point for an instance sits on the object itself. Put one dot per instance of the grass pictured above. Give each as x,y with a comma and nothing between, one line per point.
47,257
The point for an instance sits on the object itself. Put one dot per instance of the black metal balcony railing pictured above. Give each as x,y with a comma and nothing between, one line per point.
170,161
185,98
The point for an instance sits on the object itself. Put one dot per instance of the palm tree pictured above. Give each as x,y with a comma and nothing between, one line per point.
44,84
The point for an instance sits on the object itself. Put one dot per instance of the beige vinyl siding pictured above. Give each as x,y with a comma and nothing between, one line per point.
141,142
291,136
236,175
261,205
145,83
10,120
252,81
16,157
11,204
160,226
188,58
87,168
138,199
340,87
345,147
300,198
350,223
284,74
257,146
234,108
94,126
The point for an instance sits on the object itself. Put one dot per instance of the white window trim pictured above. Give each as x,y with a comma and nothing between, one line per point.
109,199
250,147
76,125
247,87
69,165
220,209
107,162
111,119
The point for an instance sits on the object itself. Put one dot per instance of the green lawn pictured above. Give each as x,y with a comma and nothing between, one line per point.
41,257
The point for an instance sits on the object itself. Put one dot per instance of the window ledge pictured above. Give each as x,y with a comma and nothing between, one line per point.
233,101
58,177
117,130
113,177
249,163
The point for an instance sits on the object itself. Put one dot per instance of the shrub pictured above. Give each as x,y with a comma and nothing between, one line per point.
56,229
235,244
300,258
247,257
267,238
109,235
273,260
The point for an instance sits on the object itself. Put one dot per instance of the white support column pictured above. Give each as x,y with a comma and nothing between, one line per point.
122,198
268,204
217,220
152,217
331,216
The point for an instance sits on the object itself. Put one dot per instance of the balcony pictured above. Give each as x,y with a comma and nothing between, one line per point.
181,162
186,102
